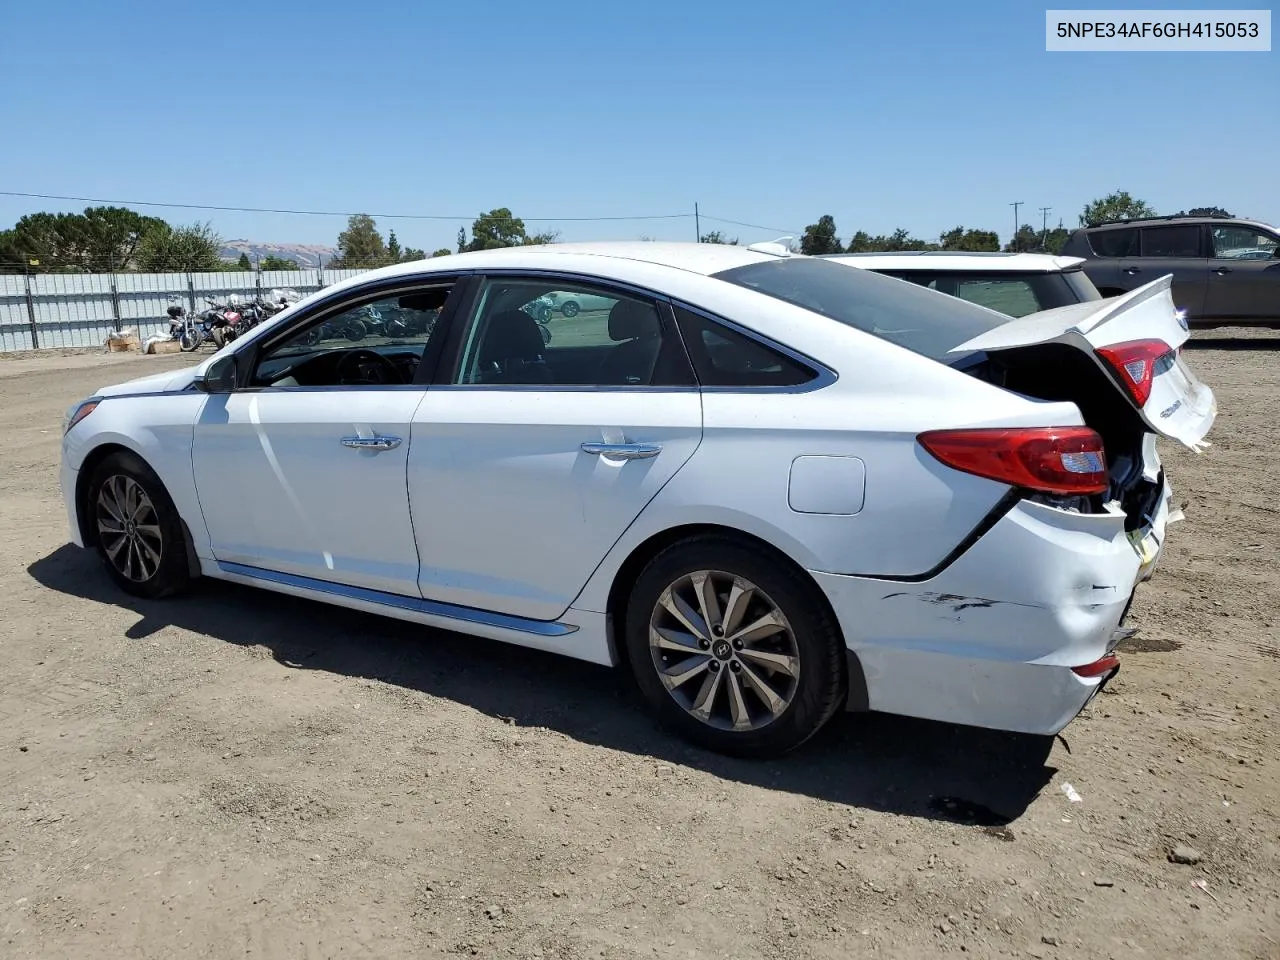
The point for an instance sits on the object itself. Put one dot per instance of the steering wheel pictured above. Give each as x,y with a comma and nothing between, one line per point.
387,372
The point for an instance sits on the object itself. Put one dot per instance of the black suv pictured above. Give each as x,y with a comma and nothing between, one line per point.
1225,271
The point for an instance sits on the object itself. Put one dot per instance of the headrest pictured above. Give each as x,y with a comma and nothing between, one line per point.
511,335
629,320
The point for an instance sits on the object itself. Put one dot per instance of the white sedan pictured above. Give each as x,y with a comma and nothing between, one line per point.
769,487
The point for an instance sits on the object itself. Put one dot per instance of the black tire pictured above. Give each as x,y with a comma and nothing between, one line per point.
570,308
167,541
819,683
546,333
188,341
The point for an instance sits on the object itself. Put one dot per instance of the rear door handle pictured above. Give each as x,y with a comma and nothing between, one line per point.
1132,270
1222,271
371,443
623,451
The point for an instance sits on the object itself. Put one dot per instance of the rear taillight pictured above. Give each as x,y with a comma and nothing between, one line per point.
1099,667
1062,460
1134,364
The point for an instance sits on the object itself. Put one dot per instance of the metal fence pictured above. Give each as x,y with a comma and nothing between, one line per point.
59,310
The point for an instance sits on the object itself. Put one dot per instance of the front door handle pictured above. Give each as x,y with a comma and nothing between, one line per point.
1132,270
1222,271
371,443
623,451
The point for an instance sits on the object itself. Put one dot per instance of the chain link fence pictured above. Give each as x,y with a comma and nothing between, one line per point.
61,310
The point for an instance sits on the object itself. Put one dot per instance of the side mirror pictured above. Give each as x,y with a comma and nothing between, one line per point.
219,376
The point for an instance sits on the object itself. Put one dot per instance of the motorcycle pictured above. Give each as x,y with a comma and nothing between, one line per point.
183,328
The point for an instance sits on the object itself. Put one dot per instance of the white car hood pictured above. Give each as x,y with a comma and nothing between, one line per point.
166,382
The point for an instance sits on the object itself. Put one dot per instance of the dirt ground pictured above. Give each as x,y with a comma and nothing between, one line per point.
240,774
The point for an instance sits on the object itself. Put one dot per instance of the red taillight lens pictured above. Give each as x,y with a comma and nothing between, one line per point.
1063,460
1135,364
1098,667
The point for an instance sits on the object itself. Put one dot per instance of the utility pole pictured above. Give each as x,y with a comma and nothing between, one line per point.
1014,242
697,224
1044,225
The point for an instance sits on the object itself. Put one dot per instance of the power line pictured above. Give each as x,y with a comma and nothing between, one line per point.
330,213
753,226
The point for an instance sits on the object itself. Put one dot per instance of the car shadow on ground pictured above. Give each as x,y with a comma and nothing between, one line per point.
910,767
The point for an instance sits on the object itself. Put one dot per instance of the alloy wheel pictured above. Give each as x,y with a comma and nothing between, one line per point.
129,528
724,651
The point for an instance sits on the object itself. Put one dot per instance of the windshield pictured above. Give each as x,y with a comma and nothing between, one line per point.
901,312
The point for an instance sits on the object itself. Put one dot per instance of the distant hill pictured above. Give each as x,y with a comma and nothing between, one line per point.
306,255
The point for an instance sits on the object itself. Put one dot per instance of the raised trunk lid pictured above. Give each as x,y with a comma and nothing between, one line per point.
1166,394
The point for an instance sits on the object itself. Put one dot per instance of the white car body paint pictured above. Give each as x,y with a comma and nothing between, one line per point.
509,468
491,519
279,491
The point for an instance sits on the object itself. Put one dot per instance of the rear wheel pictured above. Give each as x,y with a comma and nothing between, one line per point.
138,531
734,650
570,308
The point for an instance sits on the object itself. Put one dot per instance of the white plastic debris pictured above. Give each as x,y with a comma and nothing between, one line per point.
1072,794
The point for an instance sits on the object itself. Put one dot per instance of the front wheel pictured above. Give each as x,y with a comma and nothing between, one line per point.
546,333
734,650
138,531
188,341
570,308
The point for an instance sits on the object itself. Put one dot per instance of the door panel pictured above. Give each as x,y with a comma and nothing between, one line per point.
1244,290
1176,249
280,490
512,515
1244,274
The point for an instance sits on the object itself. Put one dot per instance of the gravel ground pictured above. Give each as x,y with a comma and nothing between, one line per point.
239,774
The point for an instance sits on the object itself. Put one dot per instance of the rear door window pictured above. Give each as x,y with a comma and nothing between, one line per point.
1182,240
1122,242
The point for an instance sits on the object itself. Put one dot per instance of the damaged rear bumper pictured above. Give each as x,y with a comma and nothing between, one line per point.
991,640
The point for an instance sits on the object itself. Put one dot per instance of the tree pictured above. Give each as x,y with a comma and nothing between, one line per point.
412,253
192,248
499,228
898,241
393,247
972,241
243,263
820,237
715,236
1054,240
443,252
1114,206
1026,240
860,242
99,240
360,245
272,262
1204,212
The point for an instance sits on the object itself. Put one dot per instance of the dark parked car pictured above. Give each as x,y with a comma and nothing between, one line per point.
1225,270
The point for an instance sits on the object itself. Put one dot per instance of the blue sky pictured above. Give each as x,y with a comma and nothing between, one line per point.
916,114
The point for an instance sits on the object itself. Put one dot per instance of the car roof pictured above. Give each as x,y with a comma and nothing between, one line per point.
700,258
1154,221
951,261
